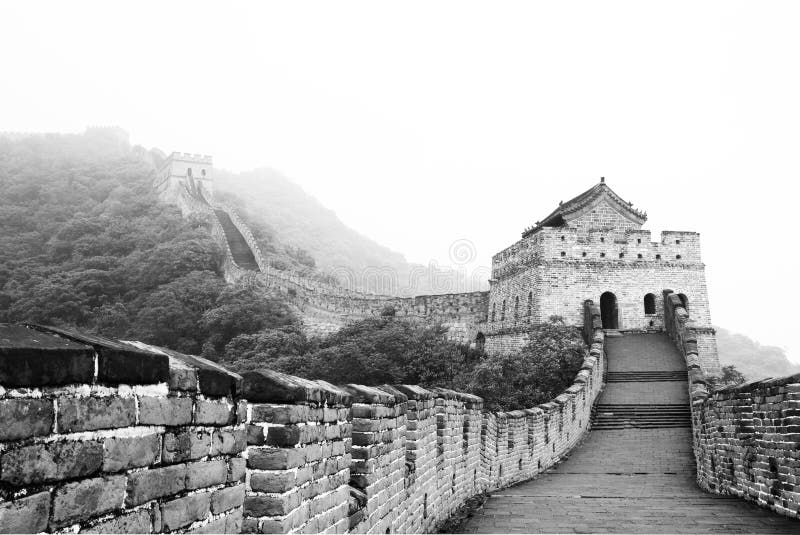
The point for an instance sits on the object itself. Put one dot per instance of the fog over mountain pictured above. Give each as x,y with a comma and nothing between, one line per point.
293,218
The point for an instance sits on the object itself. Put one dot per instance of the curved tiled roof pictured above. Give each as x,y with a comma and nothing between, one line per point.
585,199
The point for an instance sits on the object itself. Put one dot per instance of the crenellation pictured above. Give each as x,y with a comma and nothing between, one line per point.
206,450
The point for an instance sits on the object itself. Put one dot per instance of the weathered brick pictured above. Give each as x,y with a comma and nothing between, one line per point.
228,441
54,461
23,418
86,499
237,469
225,499
213,413
165,411
30,358
178,513
275,459
136,522
89,414
206,474
271,505
25,515
117,362
181,376
130,452
185,445
154,483
280,414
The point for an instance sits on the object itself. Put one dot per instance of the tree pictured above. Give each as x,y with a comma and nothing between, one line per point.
536,374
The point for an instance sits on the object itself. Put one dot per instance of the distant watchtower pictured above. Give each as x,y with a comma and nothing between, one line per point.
183,174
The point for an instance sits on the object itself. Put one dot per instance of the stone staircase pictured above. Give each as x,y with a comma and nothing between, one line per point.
640,416
242,254
635,471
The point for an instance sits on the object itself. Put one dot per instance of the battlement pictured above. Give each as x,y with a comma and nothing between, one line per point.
117,437
192,158
570,244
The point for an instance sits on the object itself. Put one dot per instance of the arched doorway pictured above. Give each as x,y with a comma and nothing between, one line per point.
649,304
609,312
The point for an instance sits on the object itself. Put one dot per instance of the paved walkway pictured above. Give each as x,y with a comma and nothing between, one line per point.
628,480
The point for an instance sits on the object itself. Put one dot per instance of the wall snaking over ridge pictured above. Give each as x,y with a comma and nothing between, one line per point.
106,436
324,307
746,437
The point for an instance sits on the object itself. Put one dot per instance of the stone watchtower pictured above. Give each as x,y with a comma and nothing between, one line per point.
183,173
593,247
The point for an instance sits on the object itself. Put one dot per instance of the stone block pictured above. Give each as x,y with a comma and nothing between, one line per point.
86,499
178,513
41,463
136,522
29,358
24,418
90,414
237,469
228,441
275,459
185,445
227,498
170,411
117,362
206,474
25,515
276,505
155,483
130,452
213,413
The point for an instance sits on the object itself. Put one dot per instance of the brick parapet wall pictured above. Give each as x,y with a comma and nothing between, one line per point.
746,438
104,436
324,307
126,437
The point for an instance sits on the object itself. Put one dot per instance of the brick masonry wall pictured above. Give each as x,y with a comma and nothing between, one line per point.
746,438
102,436
107,436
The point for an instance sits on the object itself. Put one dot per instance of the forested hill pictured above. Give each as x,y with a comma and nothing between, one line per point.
754,360
289,218
85,243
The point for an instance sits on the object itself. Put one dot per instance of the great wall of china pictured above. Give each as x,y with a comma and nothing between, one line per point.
106,436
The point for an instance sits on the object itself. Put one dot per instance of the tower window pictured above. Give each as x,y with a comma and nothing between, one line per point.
494,311
602,255
530,302
639,256
562,238
602,240
563,253
678,257
503,311
638,240
677,242
189,171
516,308
622,255
584,254
658,257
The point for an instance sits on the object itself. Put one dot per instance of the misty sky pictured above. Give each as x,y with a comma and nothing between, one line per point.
424,123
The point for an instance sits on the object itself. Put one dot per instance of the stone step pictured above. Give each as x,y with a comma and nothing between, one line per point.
646,376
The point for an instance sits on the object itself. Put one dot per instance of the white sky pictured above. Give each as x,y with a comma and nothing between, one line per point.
424,123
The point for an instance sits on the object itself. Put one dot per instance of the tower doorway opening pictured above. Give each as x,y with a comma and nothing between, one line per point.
609,312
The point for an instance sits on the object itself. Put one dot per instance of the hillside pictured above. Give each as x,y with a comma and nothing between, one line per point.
87,244
754,360
288,219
